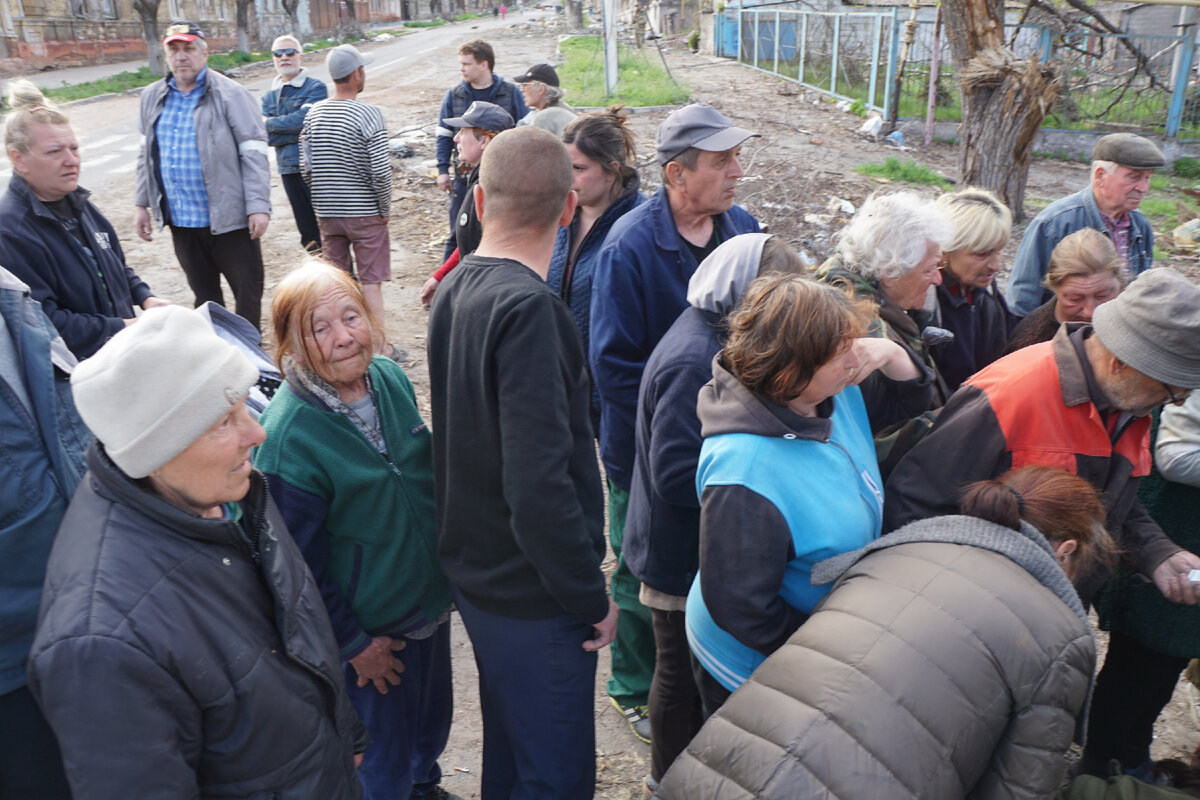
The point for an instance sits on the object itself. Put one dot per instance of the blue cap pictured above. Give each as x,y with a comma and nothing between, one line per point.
488,116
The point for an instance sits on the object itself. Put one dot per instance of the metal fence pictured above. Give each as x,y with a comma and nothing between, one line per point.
858,57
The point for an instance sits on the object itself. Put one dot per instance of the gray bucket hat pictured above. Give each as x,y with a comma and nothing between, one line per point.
1154,327
697,125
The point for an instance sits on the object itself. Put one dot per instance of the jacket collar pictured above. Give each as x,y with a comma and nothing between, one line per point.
666,235
1073,371
296,82
21,189
727,406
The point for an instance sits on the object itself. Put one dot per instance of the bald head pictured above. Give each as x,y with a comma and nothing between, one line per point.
525,174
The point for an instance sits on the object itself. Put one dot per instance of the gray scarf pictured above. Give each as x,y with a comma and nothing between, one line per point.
323,391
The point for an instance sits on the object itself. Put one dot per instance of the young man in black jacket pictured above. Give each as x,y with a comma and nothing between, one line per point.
519,502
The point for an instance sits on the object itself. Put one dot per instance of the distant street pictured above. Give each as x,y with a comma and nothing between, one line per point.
108,133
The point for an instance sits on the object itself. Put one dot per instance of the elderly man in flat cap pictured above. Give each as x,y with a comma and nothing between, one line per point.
1081,402
1122,164
640,287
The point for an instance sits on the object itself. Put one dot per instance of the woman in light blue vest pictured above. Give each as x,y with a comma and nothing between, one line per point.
787,474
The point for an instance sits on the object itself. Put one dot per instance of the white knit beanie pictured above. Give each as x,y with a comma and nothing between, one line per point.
156,386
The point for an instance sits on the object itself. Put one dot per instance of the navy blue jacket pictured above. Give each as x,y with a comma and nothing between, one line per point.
639,288
41,446
285,108
88,301
456,102
577,291
981,329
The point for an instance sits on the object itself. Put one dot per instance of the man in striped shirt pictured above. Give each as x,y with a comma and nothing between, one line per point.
344,157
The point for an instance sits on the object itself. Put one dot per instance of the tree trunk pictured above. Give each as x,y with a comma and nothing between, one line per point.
575,14
351,17
291,7
147,11
1004,100
243,25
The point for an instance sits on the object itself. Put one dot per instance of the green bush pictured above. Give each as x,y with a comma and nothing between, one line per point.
903,171
1187,167
693,40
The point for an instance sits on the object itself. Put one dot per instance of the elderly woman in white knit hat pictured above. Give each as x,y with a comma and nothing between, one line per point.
182,647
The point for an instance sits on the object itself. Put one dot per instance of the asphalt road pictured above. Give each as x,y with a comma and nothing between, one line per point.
108,129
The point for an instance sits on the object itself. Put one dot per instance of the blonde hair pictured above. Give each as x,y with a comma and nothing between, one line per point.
29,107
296,299
981,221
1087,251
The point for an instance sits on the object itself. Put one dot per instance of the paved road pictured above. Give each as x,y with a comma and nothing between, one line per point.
108,128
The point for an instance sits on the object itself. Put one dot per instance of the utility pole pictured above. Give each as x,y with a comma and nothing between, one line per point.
609,9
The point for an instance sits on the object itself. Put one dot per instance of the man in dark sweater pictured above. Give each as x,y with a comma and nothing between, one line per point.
519,502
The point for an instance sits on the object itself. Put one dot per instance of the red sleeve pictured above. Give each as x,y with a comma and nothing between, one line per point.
450,264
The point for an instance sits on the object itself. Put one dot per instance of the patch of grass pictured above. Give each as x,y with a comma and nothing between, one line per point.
641,79
234,59
1187,167
469,15
1160,182
908,171
120,82
425,23
1161,211
1160,254
858,107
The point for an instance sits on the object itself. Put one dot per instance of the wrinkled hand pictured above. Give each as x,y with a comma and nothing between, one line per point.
151,302
141,222
427,291
891,359
377,665
605,630
444,182
1171,578
257,223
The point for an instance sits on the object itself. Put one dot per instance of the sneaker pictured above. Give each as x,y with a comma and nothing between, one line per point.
650,786
636,716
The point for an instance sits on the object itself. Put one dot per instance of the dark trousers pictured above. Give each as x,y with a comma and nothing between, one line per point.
456,201
632,652
712,694
410,724
30,763
205,257
306,219
674,708
537,695
1133,686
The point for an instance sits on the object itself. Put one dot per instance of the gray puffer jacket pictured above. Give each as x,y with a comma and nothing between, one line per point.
171,665
951,660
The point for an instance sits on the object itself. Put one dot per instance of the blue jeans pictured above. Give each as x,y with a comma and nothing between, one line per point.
410,724
537,689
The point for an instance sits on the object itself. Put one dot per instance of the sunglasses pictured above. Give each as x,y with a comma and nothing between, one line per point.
285,51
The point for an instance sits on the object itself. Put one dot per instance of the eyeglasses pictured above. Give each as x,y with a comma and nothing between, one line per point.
1176,400
286,51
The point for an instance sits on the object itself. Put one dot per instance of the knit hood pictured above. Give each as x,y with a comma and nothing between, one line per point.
720,282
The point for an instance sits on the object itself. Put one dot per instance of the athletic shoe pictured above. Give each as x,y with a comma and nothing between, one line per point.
636,716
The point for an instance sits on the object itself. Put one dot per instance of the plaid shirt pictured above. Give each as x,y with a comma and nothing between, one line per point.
179,157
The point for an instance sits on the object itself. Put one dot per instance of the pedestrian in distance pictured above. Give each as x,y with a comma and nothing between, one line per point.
349,461
344,158
183,649
292,94
203,171
53,238
520,507
1122,164
951,658
476,61
639,289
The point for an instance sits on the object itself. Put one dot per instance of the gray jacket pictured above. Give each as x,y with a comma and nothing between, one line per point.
232,141
951,660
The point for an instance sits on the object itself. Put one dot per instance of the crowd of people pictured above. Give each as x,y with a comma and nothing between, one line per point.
859,516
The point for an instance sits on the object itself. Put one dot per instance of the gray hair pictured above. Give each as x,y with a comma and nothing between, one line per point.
1109,166
287,37
891,234
553,94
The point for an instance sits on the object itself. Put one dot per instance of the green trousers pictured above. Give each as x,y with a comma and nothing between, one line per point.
633,650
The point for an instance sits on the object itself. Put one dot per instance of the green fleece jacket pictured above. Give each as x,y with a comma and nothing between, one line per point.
376,541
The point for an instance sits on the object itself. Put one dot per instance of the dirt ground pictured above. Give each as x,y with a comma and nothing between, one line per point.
803,162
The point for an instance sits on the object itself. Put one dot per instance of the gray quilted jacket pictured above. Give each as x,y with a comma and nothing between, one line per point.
951,660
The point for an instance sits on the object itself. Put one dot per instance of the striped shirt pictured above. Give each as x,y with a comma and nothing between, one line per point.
179,156
343,154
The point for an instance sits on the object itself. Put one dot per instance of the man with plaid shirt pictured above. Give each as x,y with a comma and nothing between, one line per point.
203,170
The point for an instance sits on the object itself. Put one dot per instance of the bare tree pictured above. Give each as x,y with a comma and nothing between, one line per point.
575,14
351,24
147,11
1004,100
243,24
291,7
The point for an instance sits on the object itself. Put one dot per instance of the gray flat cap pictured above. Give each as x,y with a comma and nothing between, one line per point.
1154,327
1128,150
697,125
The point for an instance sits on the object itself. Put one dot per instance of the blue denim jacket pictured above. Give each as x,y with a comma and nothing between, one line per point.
41,448
1054,223
285,108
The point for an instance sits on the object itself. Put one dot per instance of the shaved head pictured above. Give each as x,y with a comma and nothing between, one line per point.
525,174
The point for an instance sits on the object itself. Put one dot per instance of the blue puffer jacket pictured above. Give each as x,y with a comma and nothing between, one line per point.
639,288
87,300
1053,224
285,108
578,291
41,446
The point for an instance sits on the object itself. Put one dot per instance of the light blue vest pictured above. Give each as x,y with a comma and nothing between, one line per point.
829,493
